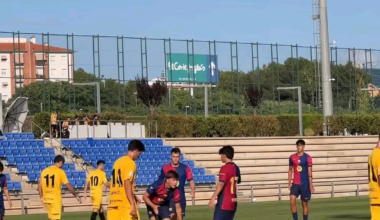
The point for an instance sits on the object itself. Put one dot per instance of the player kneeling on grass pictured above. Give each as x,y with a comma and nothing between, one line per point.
159,195
96,179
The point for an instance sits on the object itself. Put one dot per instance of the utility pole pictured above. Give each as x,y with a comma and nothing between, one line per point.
326,70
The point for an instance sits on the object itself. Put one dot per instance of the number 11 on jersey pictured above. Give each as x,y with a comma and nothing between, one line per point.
233,181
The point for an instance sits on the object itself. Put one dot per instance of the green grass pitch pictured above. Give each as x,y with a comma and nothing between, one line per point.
349,208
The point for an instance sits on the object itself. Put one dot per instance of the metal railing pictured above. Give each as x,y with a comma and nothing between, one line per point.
251,187
148,128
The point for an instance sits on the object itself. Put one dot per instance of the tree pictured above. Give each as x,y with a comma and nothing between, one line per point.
151,95
253,96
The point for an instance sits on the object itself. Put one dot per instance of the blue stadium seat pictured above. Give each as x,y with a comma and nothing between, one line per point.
30,136
25,160
11,160
21,169
40,143
27,144
36,168
16,137
30,152
33,160
34,144
82,175
18,160
5,144
40,160
37,152
32,177
144,181
19,144
14,152
8,176
22,152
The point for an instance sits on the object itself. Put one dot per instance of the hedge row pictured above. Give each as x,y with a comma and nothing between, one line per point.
233,125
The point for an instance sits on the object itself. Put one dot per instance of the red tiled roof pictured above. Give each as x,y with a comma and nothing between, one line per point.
9,47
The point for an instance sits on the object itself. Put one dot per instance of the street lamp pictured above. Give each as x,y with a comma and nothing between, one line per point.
187,108
299,104
135,93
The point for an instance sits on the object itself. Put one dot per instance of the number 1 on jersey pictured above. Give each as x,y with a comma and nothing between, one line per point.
371,171
117,179
233,180
47,177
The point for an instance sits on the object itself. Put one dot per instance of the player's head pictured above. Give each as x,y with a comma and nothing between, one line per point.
171,179
1,167
135,148
175,155
59,161
226,153
300,145
100,164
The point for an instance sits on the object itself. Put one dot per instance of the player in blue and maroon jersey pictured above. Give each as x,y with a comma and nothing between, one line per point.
4,190
226,192
184,172
300,165
159,196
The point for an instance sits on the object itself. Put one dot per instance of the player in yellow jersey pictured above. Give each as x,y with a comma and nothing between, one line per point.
49,187
374,181
123,201
96,180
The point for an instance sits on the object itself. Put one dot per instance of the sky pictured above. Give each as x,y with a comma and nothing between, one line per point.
352,23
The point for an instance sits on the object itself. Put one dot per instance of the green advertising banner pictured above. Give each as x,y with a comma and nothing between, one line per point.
187,68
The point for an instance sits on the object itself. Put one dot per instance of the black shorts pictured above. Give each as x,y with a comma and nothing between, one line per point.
2,209
303,190
173,209
220,214
163,212
54,127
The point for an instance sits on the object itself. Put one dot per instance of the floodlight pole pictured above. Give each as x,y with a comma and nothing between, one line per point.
97,86
326,69
299,104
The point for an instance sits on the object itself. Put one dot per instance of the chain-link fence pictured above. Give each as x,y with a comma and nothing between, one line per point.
48,68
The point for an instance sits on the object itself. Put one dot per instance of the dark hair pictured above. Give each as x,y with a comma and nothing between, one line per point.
172,174
1,167
136,145
175,150
300,142
228,151
59,158
100,162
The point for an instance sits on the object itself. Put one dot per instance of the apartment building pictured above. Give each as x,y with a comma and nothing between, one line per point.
23,62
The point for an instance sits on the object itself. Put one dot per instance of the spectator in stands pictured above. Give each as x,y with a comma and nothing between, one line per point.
2,137
54,122
65,128
85,120
76,120
96,120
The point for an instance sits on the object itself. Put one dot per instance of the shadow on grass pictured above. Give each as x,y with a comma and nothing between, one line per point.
347,216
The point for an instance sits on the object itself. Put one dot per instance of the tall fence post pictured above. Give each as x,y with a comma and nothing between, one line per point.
357,187
251,193
332,189
279,193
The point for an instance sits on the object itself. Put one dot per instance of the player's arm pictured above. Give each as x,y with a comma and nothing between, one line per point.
310,173
178,207
290,172
65,181
152,189
221,183
189,177
162,174
105,181
6,192
85,189
130,172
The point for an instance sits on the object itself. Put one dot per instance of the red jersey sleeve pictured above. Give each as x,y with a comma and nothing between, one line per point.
6,183
309,161
189,174
223,174
177,195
